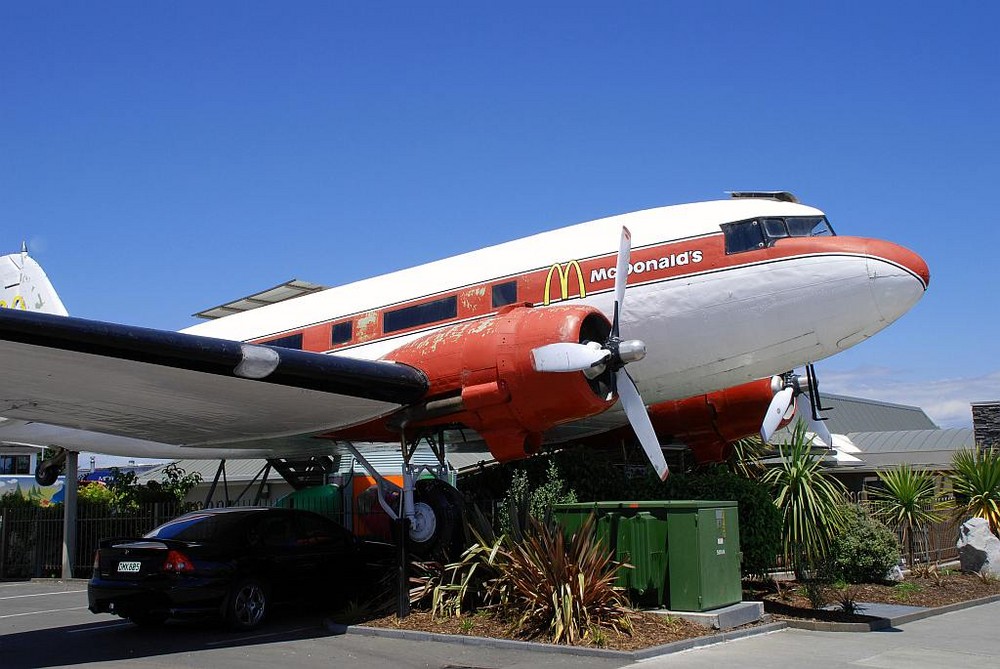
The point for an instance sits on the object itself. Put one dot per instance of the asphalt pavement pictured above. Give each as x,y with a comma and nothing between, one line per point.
46,624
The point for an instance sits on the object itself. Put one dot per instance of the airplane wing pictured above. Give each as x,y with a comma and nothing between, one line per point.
64,379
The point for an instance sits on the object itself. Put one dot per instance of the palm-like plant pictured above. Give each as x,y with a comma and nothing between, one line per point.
746,458
908,503
976,482
811,502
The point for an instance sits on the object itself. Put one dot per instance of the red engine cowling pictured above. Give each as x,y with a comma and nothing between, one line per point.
488,363
710,423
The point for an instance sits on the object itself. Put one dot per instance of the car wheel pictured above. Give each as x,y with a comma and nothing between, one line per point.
247,605
148,619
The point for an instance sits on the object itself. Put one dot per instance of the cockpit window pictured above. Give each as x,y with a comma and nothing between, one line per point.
743,236
761,232
809,226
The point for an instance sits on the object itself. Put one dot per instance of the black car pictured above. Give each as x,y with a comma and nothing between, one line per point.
232,562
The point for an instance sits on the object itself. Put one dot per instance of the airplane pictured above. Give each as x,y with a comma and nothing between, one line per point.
688,329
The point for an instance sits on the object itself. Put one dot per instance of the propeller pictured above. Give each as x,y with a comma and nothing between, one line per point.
595,359
795,394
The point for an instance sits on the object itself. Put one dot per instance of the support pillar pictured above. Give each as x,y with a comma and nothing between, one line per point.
69,514
401,528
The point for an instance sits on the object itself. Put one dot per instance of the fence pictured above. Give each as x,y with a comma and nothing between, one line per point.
31,537
935,542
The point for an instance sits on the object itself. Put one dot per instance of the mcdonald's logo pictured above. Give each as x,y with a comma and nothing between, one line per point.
564,273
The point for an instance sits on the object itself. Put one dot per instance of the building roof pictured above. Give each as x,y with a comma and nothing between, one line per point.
925,449
854,414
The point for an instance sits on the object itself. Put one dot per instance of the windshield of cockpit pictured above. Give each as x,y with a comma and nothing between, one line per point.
759,233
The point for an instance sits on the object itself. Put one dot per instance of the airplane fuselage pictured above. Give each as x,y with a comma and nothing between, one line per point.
713,315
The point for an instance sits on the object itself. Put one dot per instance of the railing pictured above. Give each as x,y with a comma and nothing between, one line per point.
31,538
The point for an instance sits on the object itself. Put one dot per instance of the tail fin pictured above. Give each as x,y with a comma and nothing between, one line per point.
25,286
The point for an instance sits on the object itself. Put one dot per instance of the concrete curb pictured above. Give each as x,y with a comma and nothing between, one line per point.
486,642
887,623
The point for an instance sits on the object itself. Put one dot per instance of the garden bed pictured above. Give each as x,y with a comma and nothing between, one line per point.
651,629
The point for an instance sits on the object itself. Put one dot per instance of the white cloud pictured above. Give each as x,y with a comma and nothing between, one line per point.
946,401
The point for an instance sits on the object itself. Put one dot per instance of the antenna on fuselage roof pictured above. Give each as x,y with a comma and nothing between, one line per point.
781,195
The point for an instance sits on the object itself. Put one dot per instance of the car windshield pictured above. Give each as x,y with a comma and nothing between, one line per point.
200,527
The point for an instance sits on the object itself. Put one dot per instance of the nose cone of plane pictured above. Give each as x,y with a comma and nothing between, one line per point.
899,277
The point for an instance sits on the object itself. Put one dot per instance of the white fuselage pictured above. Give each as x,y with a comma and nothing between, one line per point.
706,326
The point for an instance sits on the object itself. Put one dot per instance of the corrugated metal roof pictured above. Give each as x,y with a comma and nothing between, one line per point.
930,449
854,414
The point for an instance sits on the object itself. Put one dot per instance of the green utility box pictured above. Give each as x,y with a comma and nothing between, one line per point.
685,554
327,500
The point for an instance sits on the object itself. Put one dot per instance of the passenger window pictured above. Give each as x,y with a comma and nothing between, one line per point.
743,236
421,314
342,333
504,294
291,341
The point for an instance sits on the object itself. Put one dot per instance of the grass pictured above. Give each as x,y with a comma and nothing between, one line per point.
903,591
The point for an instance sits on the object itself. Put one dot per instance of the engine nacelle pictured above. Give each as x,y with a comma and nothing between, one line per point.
488,364
710,423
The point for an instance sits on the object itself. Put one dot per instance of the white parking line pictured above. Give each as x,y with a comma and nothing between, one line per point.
44,594
35,613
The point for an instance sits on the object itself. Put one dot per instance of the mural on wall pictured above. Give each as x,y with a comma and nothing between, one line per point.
27,487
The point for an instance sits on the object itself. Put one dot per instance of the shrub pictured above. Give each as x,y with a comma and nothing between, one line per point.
525,499
760,520
863,552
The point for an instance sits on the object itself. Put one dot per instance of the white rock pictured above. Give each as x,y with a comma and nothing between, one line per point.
978,548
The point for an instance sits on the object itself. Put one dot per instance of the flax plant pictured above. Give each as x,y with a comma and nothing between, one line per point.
976,482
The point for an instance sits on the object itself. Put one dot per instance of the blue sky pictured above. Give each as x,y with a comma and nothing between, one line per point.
164,157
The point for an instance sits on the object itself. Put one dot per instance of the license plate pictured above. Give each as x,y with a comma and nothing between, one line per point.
129,567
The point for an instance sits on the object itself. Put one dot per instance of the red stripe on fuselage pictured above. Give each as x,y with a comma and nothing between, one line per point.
562,281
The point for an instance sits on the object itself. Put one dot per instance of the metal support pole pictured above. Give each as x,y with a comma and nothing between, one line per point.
215,482
69,515
401,528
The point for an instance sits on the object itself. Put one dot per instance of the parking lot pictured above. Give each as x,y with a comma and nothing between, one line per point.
47,624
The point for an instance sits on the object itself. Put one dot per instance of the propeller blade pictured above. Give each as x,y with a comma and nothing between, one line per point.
639,419
775,413
568,357
621,276
817,427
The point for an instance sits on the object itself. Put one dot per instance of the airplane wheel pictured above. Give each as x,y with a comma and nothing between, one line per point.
442,534
46,475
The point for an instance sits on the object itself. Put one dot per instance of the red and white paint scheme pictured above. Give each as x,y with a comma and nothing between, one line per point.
714,320
525,343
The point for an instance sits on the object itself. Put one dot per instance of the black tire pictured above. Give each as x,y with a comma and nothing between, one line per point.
448,540
148,619
248,604
47,475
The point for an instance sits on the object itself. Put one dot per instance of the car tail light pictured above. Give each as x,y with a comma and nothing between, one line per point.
177,563
97,561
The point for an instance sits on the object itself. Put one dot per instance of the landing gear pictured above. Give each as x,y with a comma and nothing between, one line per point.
47,471
429,518
438,529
